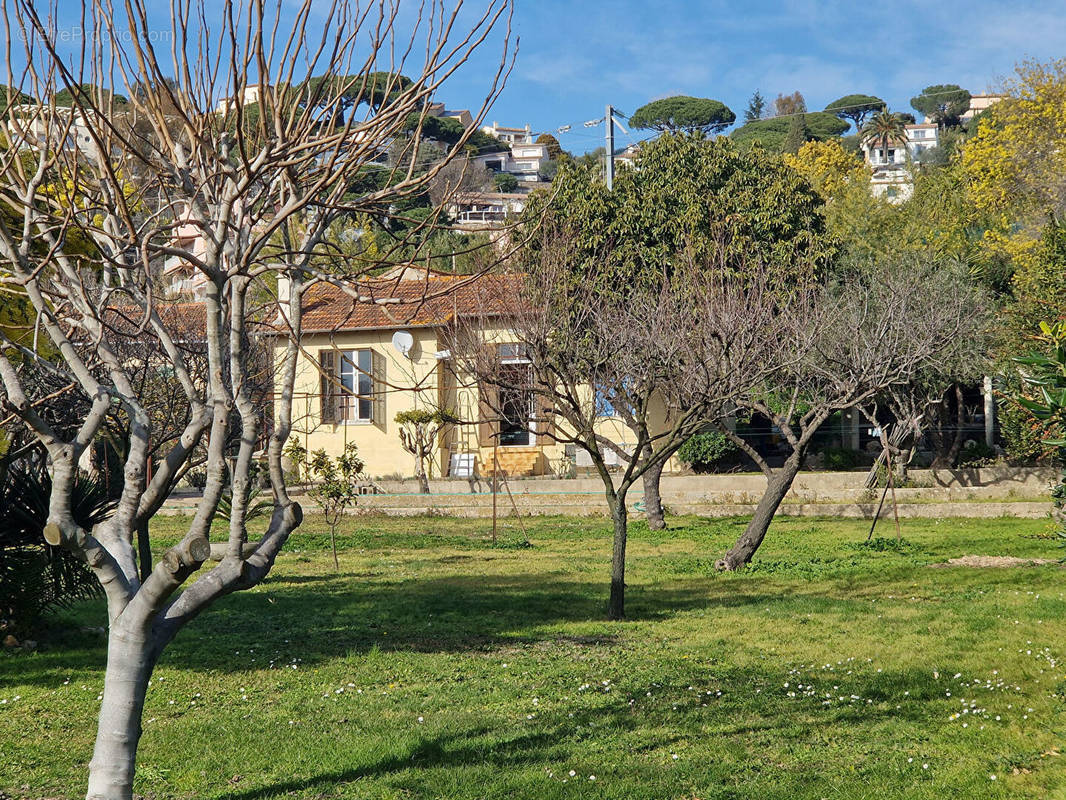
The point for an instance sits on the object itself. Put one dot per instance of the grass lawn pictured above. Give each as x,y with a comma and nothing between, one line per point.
436,666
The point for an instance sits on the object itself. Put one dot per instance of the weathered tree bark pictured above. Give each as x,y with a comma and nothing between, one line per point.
423,480
616,604
131,657
777,487
948,454
653,502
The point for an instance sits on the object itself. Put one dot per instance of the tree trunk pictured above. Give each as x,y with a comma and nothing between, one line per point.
776,489
130,659
423,480
616,605
946,454
653,501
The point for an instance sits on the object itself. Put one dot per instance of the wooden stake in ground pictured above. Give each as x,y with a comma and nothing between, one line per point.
895,505
495,487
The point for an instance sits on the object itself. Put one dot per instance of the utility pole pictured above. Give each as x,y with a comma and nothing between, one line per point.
608,122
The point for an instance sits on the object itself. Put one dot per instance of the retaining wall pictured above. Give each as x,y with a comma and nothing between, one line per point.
986,492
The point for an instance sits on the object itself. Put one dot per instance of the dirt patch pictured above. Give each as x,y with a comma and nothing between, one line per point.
996,561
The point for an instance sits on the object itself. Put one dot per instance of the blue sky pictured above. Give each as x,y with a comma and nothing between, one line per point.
575,57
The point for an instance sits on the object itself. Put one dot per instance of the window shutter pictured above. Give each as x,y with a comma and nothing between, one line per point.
379,383
327,391
544,421
487,401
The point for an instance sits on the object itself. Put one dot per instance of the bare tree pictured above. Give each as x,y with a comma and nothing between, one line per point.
92,205
627,376
869,331
460,181
915,404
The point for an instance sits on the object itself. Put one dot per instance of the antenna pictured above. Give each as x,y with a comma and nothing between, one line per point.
403,341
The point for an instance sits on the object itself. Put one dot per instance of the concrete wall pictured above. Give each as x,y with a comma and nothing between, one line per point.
990,492
1002,480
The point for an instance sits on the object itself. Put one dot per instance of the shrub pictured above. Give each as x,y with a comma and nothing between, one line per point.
976,454
1022,434
196,478
704,451
840,459
34,576
505,182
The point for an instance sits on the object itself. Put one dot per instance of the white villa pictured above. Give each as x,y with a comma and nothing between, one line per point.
892,164
485,210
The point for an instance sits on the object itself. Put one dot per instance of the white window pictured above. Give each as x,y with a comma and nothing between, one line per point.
352,386
356,379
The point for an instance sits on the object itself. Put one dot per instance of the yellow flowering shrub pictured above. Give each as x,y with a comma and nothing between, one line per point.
1016,161
828,167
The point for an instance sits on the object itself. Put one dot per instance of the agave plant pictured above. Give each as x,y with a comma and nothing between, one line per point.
34,576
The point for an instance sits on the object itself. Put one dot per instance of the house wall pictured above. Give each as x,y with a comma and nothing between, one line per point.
424,381
378,441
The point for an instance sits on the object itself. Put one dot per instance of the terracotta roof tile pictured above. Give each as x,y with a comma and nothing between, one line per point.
406,304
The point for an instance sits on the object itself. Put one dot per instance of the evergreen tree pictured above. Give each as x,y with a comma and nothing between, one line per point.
797,135
755,107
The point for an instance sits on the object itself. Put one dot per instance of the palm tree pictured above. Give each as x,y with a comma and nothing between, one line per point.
883,128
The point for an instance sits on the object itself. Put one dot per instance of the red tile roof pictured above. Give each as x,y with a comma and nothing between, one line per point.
186,322
408,303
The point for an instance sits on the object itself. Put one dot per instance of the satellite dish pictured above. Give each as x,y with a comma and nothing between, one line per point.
403,341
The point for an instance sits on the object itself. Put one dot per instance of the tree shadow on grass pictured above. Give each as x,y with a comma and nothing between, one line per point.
644,725
322,617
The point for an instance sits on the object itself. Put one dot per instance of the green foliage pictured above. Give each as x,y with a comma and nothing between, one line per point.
681,113
686,195
34,576
704,451
840,459
856,107
424,416
381,87
65,97
771,133
884,127
422,602
755,108
548,170
976,454
335,477
1038,285
882,544
375,89
505,182
442,129
9,95
554,148
448,131
297,455
257,506
798,134
1044,374
196,477
942,103
1021,433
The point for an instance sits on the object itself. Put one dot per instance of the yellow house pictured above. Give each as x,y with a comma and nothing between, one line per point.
364,359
